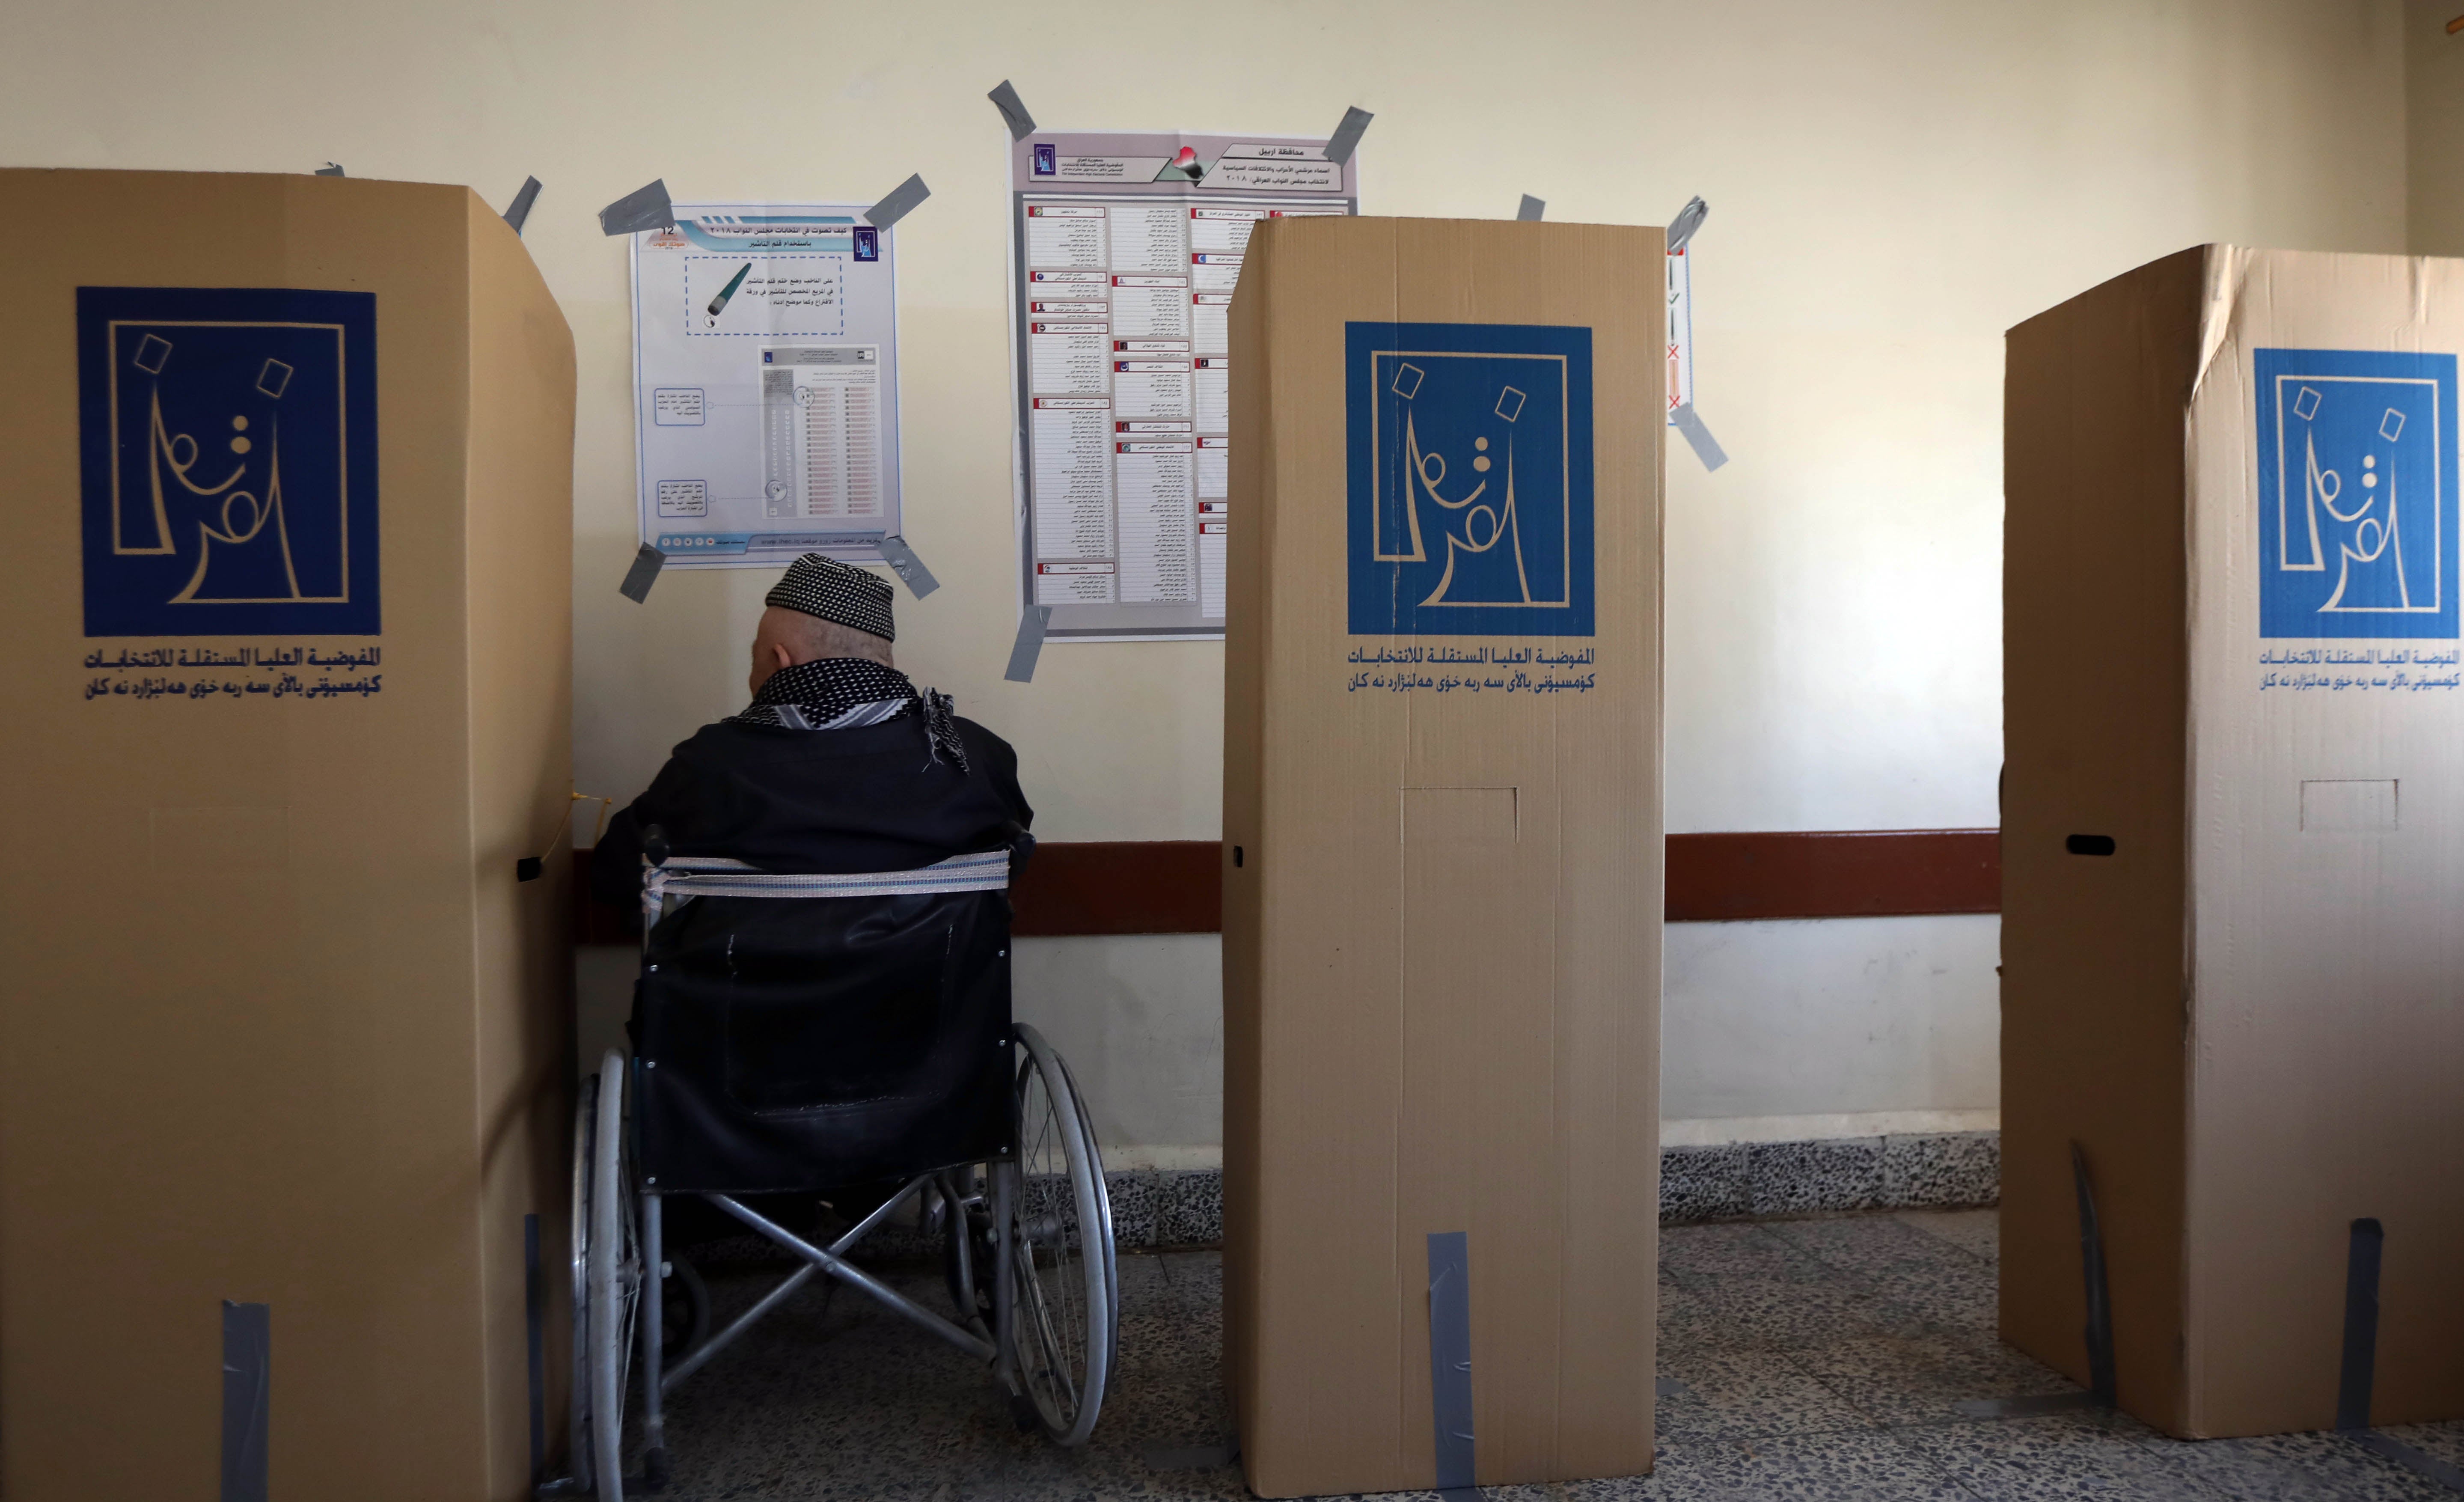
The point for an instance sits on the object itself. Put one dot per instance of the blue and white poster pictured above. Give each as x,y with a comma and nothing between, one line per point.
1469,452
228,452
765,373
2357,516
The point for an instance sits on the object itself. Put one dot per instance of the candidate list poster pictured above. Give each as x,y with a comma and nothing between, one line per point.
1125,250
766,376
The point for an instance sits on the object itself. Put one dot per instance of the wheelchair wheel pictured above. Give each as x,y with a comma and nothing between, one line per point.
586,1125
1103,1200
1064,1315
612,1269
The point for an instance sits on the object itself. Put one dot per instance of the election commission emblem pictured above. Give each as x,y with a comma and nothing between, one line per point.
1469,453
2357,507
228,461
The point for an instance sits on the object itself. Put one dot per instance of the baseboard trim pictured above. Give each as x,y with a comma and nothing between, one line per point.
1158,1208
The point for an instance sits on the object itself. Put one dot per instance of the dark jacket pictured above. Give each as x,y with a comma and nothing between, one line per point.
827,801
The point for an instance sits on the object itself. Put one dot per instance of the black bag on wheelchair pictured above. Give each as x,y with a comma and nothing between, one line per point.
801,1046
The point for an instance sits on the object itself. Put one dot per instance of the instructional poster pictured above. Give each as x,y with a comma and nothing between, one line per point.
1125,250
766,383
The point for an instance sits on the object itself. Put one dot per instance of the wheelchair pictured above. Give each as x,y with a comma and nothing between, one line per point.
795,1035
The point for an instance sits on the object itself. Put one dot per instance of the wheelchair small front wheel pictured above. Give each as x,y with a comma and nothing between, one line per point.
1065,1300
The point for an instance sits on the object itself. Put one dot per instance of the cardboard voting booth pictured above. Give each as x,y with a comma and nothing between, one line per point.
1443,845
282,1064
2233,845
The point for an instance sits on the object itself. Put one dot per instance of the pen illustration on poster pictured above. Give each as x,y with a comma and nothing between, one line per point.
1124,252
766,384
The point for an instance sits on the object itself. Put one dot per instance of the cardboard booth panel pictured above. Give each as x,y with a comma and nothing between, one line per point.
2233,662
290,534
1442,847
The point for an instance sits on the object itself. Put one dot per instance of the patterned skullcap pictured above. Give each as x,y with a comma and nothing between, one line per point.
836,591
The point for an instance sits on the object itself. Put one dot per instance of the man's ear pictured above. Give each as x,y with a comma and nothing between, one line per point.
779,657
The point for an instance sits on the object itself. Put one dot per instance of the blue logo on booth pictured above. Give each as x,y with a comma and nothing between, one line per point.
2356,515
1469,478
228,448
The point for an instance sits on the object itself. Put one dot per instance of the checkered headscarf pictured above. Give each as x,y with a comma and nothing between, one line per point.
834,591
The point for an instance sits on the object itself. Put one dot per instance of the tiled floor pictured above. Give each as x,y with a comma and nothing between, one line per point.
1799,1359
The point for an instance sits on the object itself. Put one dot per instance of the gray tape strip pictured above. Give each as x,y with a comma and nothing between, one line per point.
2360,1366
330,169
247,1370
1005,100
895,207
644,207
519,213
1670,1387
2025,1405
1705,447
535,1326
1450,1363
1688,220
2098,1291
1531,210
908,567
644,573
2359,1372
1029,646
1190,1457
1345,138
2405,1456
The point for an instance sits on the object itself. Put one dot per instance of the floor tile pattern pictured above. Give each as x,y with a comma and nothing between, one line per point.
1807,1359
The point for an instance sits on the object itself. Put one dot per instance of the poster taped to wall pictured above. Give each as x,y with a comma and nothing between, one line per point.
765,385
1124,251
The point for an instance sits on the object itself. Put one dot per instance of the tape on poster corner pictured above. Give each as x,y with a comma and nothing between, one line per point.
1532,209
1450,1363
1029,646
908,567
902,199
248,1369
644,207
1688,220
520,211
644,573
1345,138
1707,448
1013,109
330,169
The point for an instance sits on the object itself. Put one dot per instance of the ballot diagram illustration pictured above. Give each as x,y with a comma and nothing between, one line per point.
1470,479
2357,505
229,482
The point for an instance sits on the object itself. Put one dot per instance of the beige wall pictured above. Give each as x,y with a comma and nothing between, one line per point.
2433,97
1893,183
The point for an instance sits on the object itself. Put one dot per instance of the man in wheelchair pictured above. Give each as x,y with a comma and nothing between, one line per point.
822,1016
839,764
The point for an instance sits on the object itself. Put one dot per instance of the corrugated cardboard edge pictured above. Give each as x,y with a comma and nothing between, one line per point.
2092,1040
519,542
1245,651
